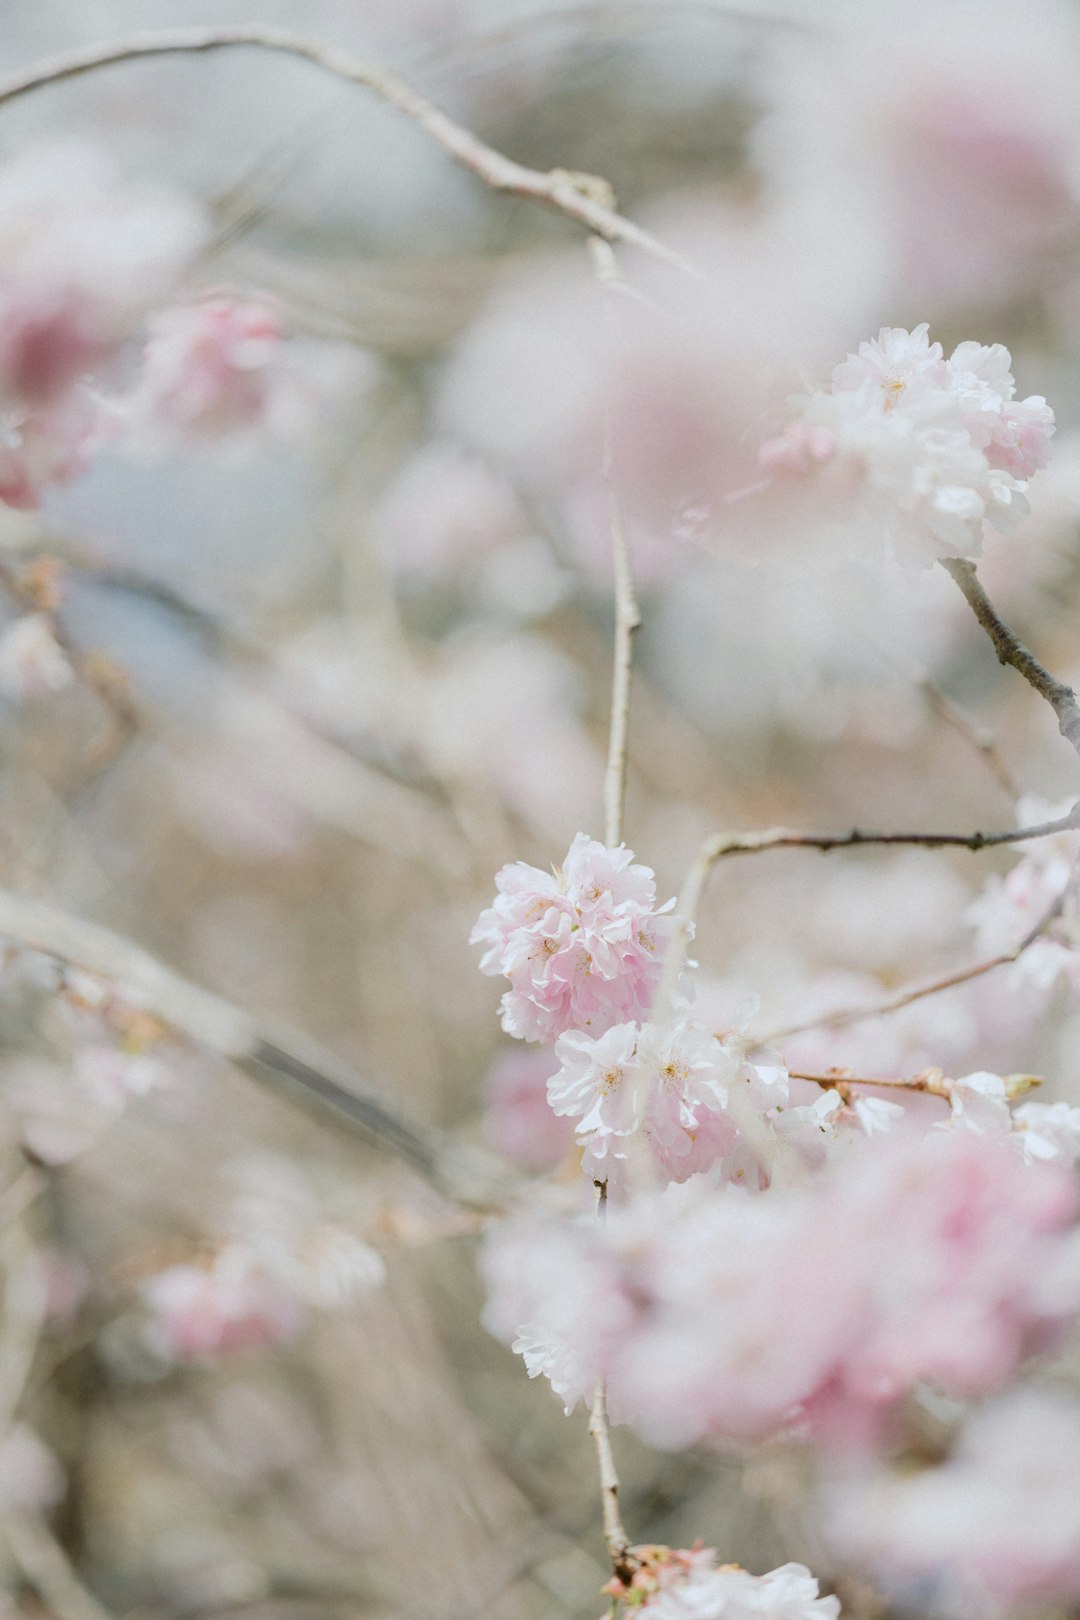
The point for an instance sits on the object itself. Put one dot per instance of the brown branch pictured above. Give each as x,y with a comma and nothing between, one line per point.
722,845
1011,650
585,199
934,1082
289,1062
905,998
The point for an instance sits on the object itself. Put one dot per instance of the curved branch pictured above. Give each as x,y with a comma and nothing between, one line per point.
585,199
721,845
1011,650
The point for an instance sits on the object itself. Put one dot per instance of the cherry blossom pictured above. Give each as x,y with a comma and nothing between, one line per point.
690,1586
221,371
931,448
1010,907
32,662
582,946
199,1312
517,1119
83,255
657,1102
938,1257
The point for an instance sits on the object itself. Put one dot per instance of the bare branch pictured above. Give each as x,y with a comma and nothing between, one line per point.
291,1063
627,612
627,621
722,845
1011,650
932,1081
585,199
905,998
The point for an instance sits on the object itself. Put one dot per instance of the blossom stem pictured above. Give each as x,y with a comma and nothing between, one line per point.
615,1537
1011,650
585,199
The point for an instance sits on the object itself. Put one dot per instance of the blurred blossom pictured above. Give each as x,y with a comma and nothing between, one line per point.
939,1257
947,139
31,1478
83,255
445,508
926,449
995,1525
220,371
32,662
518,1120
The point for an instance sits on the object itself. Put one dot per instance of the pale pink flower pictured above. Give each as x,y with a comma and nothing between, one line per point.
1010,907
897,362
199,1313
582,946
82,256
1049,1130
652,1100
710,1312
211,368
928,449
997,1524
49,447
517,1118
32,662
705,1592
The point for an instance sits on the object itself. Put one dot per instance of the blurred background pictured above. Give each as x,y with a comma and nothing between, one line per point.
312,691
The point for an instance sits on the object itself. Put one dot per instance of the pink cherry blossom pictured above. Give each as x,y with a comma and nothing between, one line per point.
51,446
82,256
705,1592
199,1313
655,1102
929,449
581,946
518,1120
711,1312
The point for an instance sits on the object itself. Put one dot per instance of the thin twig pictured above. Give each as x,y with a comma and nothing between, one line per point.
290,1062
933,1082
1011,650
627,621
978,736
627,612
722,845
905,998
615,1536
585,199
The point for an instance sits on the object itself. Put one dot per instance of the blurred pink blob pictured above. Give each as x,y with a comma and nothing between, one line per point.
518,1119
229,1307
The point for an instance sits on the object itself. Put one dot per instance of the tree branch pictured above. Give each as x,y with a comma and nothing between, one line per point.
855,1015
721,845
1011,650
288,1061
585,199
